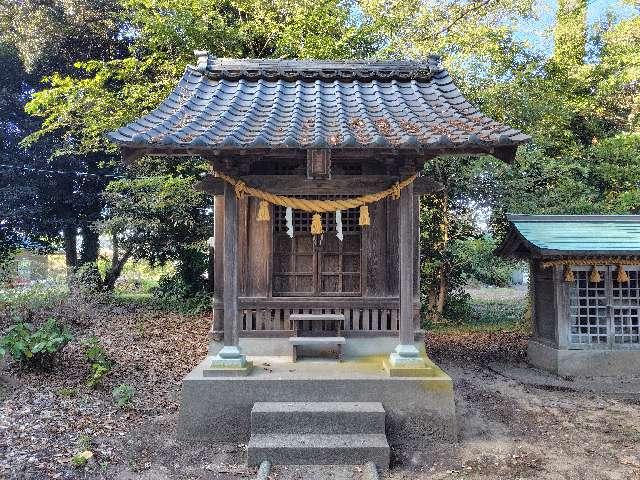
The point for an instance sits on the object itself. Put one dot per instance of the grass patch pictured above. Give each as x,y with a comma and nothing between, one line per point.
35,297
508,315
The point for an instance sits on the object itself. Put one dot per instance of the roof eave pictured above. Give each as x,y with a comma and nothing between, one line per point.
131,152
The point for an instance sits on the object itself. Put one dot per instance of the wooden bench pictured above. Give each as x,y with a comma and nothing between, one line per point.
301,341
297,340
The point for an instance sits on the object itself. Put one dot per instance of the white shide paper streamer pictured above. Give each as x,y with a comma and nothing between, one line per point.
288,215
339,225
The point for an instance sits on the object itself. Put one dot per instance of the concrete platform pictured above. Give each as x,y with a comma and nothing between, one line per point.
420,410
588,363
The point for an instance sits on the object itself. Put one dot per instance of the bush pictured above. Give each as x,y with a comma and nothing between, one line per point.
81,459
173,293
87,279
123,395
21,302
99,363
35,348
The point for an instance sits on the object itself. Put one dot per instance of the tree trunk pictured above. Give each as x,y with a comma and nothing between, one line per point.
69,233
442,291
114,272
90,246
443,280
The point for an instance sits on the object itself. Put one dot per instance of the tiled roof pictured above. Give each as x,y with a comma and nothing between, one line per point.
574,234
272,104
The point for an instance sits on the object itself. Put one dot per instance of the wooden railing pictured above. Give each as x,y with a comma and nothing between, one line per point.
270,317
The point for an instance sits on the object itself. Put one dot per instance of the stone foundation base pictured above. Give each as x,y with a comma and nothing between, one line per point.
420,410
587,363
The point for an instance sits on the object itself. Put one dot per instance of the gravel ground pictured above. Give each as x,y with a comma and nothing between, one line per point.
515,422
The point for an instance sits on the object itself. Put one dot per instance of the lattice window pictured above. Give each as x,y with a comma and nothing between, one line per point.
339,264
317,265
302,220
626,309
588,310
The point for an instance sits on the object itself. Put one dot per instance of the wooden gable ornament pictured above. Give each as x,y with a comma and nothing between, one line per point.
318,163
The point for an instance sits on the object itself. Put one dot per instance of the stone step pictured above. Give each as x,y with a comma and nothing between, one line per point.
316,449
323,472
317,417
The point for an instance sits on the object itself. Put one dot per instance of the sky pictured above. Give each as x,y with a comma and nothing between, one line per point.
538,32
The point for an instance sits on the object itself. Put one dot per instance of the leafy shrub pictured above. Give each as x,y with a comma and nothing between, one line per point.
66,392
123,395
97,372
99,363
79,460
173,293
36,348
20,302
84,442
87,279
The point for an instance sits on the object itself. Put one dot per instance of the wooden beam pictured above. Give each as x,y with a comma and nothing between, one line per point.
300,185
426,186
211,185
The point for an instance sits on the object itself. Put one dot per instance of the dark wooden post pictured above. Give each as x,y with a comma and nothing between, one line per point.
229,360
217,328
230,292
406,356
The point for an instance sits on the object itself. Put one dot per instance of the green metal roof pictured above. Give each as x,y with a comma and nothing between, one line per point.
571,234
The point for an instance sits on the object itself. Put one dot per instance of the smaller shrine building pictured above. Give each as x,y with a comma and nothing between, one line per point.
585,290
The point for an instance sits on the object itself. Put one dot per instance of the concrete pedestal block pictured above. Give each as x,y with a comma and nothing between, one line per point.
588,363
420,410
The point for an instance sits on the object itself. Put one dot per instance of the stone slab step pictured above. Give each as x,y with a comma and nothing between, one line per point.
315,449
321,472
318,417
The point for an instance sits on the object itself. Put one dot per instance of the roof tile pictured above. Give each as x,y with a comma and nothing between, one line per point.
246,104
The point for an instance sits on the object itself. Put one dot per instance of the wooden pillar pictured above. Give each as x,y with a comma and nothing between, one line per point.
406,240
230,291
217,328
230,361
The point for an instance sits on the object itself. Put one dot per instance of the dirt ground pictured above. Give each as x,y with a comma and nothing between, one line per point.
514,421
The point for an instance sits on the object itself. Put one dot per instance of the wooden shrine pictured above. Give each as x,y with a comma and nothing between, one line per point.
316,173
585,290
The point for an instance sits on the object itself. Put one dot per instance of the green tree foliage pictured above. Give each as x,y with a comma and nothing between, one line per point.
111,61
159,218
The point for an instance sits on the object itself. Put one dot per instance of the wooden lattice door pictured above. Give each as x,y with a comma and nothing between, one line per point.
317,265
605,313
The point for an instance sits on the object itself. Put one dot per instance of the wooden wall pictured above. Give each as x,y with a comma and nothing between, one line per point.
380,254
544,311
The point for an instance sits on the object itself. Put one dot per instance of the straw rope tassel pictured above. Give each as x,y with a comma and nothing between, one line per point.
364,216
316,224
623,277
263,212
594,277
569,277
